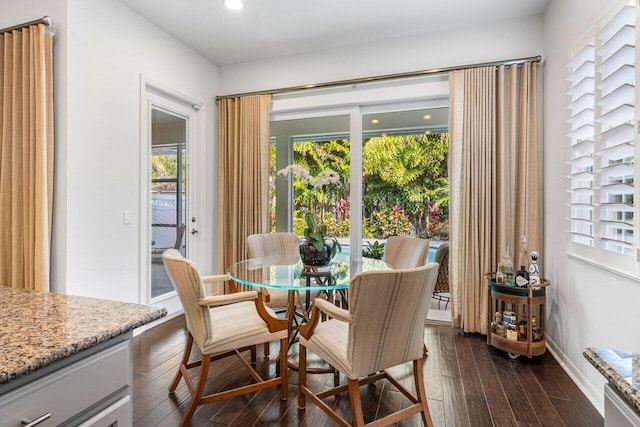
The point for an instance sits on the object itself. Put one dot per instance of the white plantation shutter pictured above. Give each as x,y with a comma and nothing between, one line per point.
601,144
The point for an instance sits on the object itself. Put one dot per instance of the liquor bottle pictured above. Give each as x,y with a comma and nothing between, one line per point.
500,273
497,327
522,276
508,267
512,331
536,331
522,327
534,272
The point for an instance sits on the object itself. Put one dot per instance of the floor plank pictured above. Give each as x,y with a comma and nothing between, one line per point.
467,382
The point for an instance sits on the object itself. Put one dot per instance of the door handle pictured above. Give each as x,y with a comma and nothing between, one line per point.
194,231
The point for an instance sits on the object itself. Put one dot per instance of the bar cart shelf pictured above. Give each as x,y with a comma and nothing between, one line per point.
527,300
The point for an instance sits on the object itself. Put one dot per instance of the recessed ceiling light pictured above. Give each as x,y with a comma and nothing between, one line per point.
426,116
233,4
375,121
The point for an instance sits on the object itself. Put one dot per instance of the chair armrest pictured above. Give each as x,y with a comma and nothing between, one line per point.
215,284
274,323
218,300
332,310
217,278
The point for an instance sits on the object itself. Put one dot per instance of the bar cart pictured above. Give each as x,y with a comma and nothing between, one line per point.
528,304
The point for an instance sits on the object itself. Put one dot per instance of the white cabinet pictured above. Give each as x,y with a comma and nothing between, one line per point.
92,391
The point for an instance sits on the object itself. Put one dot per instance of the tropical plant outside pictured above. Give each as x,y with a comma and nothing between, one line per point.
405,186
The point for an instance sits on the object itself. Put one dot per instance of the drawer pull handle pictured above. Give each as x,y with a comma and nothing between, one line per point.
27,423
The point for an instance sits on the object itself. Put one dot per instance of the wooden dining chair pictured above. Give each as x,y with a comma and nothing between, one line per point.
221,326
270,244
405,252
383,327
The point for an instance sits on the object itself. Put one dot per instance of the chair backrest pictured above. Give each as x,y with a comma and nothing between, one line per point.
187,281
389,308
267,244
442,258
405,252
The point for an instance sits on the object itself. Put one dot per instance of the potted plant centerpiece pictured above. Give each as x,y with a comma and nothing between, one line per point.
317,248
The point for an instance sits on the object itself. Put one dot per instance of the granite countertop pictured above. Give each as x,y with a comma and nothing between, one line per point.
40,328
621,369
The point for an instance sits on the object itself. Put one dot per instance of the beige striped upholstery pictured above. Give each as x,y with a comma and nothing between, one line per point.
387,309
220,324
267,244
218,329
261,245
405,252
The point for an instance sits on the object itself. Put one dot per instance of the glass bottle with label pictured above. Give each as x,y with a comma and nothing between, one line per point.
500,273
522,328
507,267
522,277
512,331
536,331
497,327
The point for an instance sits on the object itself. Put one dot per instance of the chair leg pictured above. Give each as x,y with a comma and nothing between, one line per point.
196,394
302,374
184,362
356,404
284,390
254,351
266,349
422,395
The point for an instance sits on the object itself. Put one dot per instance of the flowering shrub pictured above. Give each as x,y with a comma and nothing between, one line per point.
393,223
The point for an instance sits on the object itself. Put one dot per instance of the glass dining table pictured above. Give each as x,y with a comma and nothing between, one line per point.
302,281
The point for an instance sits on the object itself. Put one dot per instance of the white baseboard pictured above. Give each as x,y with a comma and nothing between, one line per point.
596,397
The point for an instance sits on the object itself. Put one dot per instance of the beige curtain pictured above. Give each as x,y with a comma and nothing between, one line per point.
243,174
495,183
26,157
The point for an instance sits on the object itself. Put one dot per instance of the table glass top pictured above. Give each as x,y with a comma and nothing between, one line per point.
288,272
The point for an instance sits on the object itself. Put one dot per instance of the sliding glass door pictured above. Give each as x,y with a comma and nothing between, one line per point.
392,169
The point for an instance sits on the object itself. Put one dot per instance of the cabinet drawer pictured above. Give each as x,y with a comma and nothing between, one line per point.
70,390
119,414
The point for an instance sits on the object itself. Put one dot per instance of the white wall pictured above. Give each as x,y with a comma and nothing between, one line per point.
498,41
109,48
101,49
588,307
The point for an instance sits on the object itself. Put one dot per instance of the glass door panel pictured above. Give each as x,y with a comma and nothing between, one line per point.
405,186
316,145
168,194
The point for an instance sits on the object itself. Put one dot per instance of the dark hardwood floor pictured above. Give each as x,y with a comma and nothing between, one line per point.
468,384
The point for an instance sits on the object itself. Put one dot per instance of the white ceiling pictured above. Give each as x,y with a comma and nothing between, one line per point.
273,28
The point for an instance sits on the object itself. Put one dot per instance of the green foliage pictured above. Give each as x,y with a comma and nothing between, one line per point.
373,250
316,234
393,223
407,171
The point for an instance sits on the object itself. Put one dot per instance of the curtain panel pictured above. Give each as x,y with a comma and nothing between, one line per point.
243,174
495,180
26,157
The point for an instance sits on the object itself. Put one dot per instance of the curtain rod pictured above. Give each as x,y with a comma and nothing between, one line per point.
383,77
46,20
